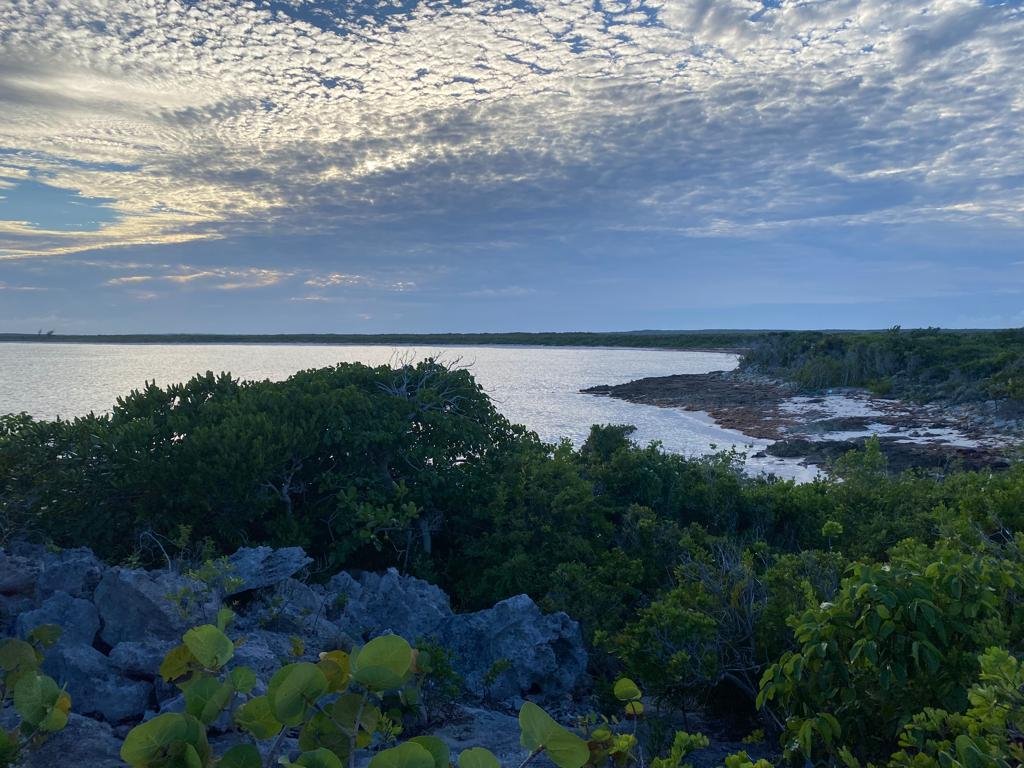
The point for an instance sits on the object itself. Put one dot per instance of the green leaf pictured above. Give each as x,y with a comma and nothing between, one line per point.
17,656
177,663
437,749
626,690
407,755
243,679
211,647
383,663
319,758
45,634
34,697
241,756
152,741
293,688
478,757
541,732
257,717
206,698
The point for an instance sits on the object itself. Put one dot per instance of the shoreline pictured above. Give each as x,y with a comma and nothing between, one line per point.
816,429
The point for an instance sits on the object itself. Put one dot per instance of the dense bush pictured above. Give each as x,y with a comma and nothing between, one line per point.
688,575
927,364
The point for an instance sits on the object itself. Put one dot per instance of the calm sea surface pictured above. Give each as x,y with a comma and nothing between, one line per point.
535,386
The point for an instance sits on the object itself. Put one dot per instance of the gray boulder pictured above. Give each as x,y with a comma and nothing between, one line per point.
259,567
294,608
137,605
514,651
471,727
78,619
265,652
18,574
140,659
83,742
374,604
75,571
95,686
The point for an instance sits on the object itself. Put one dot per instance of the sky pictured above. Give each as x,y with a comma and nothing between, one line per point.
490,165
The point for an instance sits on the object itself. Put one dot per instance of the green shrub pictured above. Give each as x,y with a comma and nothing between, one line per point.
898,638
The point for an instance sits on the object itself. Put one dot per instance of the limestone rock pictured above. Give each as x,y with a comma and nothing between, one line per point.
374,604
78,619
543,656
138,605
259,567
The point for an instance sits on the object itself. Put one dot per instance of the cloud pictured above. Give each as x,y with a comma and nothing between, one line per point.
206,120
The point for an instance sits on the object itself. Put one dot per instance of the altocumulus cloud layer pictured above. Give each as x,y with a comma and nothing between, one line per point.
456,164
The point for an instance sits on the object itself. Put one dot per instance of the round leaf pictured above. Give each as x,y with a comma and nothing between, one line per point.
626,690
154,739
541,732
437,749
383,663
293,688
256,717
407,755
319,758
211,647
478,757
241,756
34,697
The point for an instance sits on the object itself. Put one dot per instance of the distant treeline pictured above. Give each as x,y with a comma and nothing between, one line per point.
923,364
712,339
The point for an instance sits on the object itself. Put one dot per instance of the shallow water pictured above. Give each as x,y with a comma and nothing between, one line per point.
535,386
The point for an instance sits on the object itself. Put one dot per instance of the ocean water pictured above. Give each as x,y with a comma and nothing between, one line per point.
535,386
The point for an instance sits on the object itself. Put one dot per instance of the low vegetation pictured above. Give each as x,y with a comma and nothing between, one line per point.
861,619
923,364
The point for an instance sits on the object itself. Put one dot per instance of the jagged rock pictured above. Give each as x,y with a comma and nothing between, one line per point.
265,652
11,607
373,604
18,574
259,567
495,731
83,742
297,609
544,654
140,659
137,605
78,619
75,571
95,686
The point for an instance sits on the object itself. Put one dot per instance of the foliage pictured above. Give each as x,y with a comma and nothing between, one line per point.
926,364
897,639
42,706
337,706
989,733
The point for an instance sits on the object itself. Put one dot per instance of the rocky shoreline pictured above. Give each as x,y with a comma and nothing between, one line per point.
819,428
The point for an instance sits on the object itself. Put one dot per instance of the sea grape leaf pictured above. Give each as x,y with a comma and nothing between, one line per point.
211,647
478,757
437,749
257,717
406,755
293,688
541,732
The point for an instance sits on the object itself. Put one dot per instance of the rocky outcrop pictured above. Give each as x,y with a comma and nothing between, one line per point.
259,567
513,651
118,623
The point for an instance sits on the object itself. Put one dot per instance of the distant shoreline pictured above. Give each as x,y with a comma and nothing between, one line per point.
686,341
